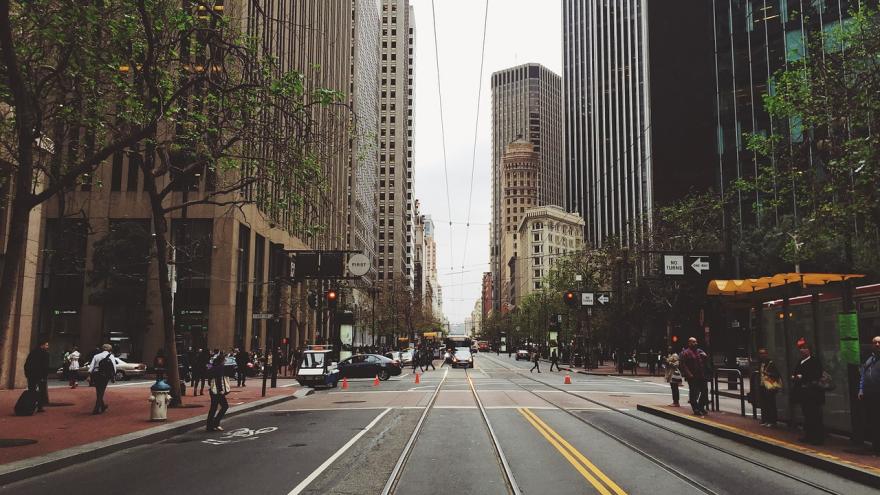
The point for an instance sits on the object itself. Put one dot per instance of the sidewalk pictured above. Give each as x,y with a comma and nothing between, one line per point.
68,421
836,455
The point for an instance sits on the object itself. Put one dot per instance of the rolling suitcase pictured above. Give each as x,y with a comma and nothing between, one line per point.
27,403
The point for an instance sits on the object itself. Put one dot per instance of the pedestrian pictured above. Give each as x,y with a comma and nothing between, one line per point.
554,360
693,367
618,356
771,384
652,362
217,389
673,375
241,362
73,367
159,364
805,380
200,367
36,370
429,358
102,371
536,358
869,392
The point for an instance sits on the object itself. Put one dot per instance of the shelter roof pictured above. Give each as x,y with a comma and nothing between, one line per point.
752,285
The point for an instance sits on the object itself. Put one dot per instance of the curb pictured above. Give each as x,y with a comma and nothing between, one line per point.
817,460
35,466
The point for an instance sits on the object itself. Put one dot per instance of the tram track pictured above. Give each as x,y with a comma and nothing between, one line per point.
397,472
653,459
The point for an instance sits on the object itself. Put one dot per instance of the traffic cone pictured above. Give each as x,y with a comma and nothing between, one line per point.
344,383
568,379
418,380
376,381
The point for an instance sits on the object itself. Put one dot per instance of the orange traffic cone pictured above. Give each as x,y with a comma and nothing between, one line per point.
418,380
376,381
344,383
568,379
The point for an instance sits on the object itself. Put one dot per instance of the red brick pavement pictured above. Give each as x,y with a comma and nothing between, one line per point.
71,423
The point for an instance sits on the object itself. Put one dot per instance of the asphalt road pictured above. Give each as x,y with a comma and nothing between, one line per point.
347,442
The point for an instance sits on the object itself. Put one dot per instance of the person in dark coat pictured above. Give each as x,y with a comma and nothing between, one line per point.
36,370
242,358
693,367
554,360
770,385
869,392
218,388
536,358
805,377
200,367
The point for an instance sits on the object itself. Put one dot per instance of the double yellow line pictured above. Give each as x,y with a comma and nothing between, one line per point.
588,470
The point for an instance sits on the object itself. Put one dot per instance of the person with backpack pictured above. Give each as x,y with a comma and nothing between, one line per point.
36,370
73,367
102,371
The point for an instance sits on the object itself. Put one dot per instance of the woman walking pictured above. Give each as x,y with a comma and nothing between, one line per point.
673,374
218,389
771,383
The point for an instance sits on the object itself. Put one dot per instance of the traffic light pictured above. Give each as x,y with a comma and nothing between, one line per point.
313,300
332,297
674,339
570,298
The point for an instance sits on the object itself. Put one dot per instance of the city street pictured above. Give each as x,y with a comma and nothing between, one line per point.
585,437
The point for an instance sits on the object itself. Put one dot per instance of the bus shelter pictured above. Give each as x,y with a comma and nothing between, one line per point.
821,308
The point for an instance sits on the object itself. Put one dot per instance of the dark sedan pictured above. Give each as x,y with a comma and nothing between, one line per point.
368,366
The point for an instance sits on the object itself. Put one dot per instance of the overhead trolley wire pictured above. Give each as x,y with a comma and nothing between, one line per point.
442,129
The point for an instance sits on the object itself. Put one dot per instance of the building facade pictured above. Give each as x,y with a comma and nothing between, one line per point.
520,168
638,92
546,234
526,103
396,202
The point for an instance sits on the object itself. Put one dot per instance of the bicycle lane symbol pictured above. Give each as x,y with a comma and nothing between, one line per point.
240,435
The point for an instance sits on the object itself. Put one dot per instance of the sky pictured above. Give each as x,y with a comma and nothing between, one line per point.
518,32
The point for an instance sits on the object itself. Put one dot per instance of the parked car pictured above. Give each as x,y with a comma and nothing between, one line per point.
403,357
462,357
124,370
522,354
368,366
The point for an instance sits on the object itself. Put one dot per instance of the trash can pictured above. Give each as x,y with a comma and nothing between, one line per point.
160,396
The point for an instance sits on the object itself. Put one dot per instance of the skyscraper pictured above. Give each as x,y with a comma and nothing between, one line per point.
520,167
638,91
396,203
525,104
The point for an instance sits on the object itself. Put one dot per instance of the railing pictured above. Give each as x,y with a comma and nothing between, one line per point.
730,376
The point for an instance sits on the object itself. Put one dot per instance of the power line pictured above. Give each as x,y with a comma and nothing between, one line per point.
442,128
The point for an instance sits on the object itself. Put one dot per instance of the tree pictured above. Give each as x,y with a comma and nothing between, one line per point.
824,153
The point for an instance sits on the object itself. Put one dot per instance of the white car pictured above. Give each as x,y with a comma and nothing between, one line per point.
124,371
462,357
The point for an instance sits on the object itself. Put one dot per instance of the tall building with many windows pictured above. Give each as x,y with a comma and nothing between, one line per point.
525,104
638,91
396,202
520,170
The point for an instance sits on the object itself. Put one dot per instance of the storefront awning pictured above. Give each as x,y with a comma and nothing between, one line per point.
752,285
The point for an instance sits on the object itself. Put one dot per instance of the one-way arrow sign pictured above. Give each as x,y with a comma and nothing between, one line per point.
603,297
700,265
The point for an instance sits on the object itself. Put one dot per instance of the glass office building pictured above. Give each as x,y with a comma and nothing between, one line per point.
754,39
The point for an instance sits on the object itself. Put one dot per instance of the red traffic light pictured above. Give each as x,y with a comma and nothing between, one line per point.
284,341
331,295
570,298
674,339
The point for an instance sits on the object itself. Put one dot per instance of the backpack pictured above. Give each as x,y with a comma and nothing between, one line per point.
105,367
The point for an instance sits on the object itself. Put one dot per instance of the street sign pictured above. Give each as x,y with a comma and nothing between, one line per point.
263,316
604,298
690,265
587,298
673,264
358,265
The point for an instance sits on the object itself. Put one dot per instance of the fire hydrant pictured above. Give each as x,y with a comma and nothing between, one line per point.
159,399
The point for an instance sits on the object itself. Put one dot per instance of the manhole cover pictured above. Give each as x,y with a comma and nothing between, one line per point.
59,404
298,445
15,442
349,401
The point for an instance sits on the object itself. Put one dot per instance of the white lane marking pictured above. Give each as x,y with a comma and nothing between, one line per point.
455,407
597,409
362,408
370,392
620,392
317,472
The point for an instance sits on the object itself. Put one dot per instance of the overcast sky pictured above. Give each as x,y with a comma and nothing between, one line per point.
519,31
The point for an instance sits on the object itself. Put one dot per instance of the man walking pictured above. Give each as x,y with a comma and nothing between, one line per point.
536,358
554,360
72,366
36,370
102,369
241,361
693,366
429,358
869,392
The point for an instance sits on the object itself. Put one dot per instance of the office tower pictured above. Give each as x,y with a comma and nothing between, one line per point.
396,205
638,97
526,103
520,167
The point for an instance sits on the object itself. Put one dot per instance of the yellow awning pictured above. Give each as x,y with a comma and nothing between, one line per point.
750,285
429,335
